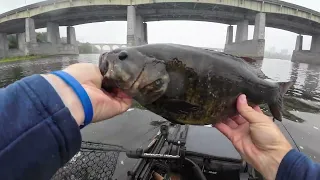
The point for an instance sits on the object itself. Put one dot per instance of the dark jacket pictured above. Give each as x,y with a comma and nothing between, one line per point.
38,135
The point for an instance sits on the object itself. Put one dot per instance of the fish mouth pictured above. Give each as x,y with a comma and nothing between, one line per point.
110,81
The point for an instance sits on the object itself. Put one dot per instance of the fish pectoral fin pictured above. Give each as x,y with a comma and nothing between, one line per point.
179,106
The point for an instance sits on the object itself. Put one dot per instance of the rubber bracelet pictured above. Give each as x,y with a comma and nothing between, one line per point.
81,93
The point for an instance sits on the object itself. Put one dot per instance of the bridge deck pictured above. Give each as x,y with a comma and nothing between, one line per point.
280,14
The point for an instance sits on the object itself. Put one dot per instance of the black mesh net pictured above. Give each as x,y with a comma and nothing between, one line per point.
93,161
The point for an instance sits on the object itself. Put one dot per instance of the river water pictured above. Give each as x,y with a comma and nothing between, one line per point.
301,105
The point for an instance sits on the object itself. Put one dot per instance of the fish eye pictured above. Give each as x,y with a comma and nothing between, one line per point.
123,55
158,82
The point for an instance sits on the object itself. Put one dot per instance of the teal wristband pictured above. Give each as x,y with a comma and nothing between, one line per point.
81,93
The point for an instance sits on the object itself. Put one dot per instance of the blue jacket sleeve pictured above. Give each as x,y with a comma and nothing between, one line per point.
297,166
38,135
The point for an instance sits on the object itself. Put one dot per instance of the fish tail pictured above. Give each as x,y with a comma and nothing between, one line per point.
276,107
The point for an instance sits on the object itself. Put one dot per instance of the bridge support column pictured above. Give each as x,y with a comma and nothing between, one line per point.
145,32
4,46
31,36
53,34
307,56
299,43
21,41
71,35
101,49
72,40
243,47
32,46
229,38
135,28
242,31
315,44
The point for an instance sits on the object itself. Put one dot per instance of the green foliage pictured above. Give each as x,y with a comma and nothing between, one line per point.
87,48
13,42
20,58
42,37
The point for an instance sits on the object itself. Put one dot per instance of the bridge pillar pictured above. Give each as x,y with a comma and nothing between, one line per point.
307,56
101,49
135,28
299,43
71,35
315,44
242,31
243,47
31,36
53,33
145,31
260,26
4,46
72,40
229,38
21,41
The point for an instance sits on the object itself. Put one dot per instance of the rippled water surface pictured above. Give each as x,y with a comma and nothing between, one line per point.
301,105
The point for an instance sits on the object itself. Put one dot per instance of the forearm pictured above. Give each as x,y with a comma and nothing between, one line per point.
69,98
296,165
37,131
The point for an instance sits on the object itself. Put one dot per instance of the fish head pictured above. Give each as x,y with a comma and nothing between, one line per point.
142,77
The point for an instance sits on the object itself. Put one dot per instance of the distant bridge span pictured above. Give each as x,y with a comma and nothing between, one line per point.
111,46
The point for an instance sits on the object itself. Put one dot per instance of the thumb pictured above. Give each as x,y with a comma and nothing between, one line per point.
247,111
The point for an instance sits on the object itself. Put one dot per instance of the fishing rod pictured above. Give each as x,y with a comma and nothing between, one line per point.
165,155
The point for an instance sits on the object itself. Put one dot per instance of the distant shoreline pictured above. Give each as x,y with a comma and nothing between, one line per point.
21,58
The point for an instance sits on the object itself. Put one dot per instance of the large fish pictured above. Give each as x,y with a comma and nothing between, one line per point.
189,85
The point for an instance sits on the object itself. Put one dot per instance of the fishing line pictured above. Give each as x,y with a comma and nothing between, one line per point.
145,142
138,136
290,135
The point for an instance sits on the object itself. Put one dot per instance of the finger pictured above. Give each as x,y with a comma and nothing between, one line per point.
247,111
257,108
225,130
157,176
229,122
119,93
239,120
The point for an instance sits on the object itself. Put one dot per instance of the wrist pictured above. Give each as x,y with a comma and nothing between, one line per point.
68,97
271,169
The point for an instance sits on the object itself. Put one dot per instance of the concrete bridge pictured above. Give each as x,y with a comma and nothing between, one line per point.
260,13
110,46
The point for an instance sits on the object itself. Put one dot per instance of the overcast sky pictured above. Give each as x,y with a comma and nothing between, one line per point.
203,34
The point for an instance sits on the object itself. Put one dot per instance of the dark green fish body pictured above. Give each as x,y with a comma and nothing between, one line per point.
190,85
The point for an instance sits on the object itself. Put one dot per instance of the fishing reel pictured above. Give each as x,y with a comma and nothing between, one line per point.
166,157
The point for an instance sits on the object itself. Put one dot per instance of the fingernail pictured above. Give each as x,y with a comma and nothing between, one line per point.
243,99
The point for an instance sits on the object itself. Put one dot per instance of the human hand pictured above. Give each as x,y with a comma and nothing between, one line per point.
255,136
105,105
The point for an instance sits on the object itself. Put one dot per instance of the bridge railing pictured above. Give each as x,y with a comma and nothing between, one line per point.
31,6
290,5
48,2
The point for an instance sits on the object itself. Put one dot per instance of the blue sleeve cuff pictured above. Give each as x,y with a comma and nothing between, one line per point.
38,133
49,104
288,162
296,165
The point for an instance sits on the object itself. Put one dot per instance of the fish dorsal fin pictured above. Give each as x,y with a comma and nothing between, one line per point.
242,60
